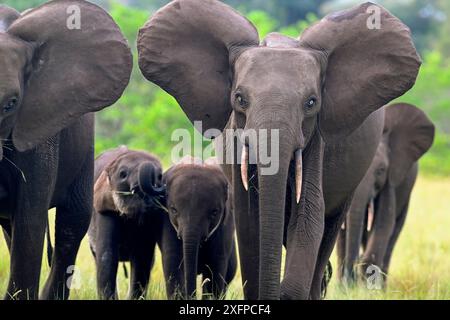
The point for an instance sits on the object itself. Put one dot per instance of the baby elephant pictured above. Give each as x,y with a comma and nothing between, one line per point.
199,230
380,203
127,218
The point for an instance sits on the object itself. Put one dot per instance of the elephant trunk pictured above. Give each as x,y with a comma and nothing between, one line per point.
191,243
149,182
272,198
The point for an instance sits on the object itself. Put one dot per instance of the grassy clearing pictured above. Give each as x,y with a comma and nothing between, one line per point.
420,267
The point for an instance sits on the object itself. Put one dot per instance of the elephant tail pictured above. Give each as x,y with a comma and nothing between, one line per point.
49,245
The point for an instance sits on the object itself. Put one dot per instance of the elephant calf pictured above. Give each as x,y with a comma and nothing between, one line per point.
127,218
380,204
199,229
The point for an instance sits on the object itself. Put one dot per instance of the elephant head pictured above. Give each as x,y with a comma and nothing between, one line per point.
322,85
197,202
131,185
53,71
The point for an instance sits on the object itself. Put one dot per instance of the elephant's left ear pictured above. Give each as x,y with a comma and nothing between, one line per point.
81,64
371,60
411,134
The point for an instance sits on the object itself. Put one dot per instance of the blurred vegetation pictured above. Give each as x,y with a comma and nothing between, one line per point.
145,116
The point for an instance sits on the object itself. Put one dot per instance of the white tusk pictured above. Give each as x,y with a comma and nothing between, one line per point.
298,174
244,167
370,215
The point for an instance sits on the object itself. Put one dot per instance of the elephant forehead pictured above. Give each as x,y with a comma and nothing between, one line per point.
279,64
13,52
195,183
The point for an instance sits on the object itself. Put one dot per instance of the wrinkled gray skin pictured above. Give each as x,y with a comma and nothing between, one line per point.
125,226
47,136
198,232
388,184
321,91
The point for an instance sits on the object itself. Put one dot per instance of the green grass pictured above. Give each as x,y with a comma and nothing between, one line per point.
420,267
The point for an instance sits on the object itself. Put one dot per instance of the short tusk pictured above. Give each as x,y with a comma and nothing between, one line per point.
298,174
370,215
244,167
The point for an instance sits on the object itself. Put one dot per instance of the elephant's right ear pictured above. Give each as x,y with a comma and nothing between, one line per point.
371,60
103,199
7,16
188,47
411,134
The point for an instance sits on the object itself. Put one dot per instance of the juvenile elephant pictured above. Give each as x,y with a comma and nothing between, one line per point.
52,78
127,218
380,204
199,229
318,94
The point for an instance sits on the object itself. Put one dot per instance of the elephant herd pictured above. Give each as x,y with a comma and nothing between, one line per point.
346,162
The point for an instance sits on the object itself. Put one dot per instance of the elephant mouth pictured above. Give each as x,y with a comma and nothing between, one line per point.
298,158
135,205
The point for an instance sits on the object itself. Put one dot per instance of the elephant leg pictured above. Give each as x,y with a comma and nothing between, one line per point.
354,233
71,225
107,254
340,252
246,210
303,242
27,241
382,230
141,265
399,223
331,230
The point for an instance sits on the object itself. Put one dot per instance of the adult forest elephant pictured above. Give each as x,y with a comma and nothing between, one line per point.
319,92
380,203
52,78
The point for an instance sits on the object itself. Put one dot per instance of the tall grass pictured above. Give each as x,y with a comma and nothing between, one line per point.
420,266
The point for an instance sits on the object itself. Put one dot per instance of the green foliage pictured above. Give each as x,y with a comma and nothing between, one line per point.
266,24
22,5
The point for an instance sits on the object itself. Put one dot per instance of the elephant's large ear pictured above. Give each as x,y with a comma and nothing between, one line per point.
81,64
371,61
187,48
103,199
411,134
7,16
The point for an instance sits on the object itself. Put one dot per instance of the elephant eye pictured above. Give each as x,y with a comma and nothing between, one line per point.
123,174
10,105
241,101
173,210
311,102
